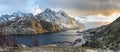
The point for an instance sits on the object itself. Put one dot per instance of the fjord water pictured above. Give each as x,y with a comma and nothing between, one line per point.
48,38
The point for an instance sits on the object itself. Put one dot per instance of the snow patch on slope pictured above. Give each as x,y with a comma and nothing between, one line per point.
60,18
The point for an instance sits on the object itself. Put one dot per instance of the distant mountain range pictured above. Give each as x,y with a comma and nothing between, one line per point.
93,21
27,23
90,25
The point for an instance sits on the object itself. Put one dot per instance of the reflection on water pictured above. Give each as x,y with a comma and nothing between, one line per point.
50,39
45,39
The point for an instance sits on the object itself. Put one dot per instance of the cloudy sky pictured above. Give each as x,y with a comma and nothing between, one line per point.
72,7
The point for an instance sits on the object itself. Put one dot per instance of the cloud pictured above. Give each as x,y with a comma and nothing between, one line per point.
10,6
36,10
73,7
82,7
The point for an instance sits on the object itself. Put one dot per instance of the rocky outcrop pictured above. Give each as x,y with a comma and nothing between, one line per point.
60,18
106,36
27,25
61,49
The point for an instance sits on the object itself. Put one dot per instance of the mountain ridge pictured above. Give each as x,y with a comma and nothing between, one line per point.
27,23
107,36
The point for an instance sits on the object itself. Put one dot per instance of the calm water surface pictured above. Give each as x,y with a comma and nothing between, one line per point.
46,39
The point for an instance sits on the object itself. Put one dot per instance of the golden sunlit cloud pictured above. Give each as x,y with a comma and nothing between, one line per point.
110,12
110,15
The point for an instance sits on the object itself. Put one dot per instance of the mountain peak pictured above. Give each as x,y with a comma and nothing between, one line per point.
63,13
48,10
21,14
18,13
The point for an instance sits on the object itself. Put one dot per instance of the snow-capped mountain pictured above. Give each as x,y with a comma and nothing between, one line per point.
92,21
27,23
5,18
21,14
60,18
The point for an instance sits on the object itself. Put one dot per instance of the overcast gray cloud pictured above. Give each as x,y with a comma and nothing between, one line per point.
87,7
73,7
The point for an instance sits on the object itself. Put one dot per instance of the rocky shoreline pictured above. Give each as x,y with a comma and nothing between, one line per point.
57,49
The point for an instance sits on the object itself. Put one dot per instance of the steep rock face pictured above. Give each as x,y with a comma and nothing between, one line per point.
106,36
15,15
60,18
27,25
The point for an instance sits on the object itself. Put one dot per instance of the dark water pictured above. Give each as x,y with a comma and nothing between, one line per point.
46,39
